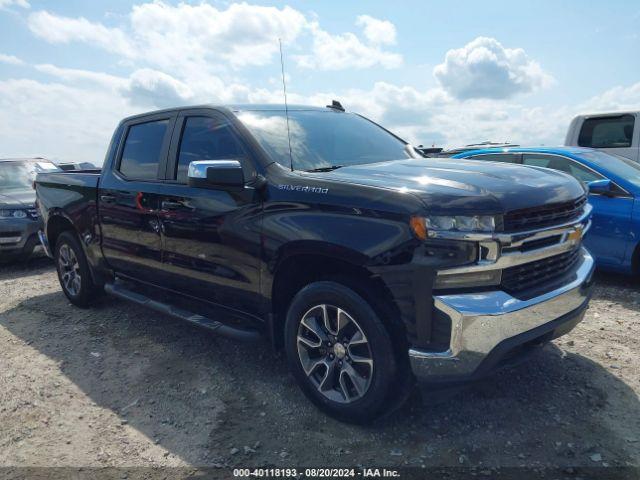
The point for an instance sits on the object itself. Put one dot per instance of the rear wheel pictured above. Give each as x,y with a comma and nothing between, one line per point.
73,271
340,352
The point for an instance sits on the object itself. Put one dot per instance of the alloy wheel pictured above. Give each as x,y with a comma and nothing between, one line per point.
69,270
335,353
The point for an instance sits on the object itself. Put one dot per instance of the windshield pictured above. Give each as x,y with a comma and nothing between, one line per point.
620,166
19,175
322,139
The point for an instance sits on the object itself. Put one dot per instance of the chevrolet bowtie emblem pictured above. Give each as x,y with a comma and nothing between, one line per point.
576,235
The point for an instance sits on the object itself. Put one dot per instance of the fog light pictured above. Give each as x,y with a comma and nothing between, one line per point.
471,279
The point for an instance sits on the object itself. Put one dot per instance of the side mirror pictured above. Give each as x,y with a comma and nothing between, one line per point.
602,187
217,174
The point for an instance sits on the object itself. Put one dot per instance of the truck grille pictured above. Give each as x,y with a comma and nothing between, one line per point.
546,216
521,278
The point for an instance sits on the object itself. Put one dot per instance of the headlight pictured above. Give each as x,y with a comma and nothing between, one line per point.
13,214
462,223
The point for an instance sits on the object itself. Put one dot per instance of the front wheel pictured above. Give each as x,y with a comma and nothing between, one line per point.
340,352
73,271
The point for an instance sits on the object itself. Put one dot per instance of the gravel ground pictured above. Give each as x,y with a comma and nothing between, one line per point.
117,385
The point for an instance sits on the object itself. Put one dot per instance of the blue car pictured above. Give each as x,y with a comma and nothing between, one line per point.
614,192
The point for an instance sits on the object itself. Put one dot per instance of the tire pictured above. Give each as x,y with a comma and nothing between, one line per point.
352,378
73,271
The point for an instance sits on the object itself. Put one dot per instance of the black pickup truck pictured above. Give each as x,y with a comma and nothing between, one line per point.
321,231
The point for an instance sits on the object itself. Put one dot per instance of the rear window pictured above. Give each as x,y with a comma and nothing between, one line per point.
607,132
142,150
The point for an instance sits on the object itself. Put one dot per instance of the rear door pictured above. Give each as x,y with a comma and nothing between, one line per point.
129,198
611,219
211,237
612,134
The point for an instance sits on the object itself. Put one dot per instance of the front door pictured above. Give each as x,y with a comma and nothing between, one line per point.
129,198
211,237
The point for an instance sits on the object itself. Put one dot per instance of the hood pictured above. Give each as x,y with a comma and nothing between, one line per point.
457,186
25,198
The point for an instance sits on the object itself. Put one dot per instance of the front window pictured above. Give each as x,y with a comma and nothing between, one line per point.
206,138
323,139
619,166
20,174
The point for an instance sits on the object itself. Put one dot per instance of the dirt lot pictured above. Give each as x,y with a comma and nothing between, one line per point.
117,385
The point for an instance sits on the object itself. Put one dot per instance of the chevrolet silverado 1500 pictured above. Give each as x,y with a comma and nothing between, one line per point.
369,265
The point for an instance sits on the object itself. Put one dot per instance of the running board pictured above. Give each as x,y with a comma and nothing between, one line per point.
213,325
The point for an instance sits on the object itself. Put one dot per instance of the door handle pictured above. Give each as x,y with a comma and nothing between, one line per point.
169,205
107,198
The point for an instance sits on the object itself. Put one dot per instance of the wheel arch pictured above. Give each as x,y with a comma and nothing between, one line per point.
57,224
302,267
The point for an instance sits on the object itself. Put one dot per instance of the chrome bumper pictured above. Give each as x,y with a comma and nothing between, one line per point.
481,321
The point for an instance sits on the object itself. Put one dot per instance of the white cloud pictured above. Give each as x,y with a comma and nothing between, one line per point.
182,36
243,34
197,38
152,88
10,59
614,99
57,121
18,3
77,76
377,31
58,29
343,51
485,69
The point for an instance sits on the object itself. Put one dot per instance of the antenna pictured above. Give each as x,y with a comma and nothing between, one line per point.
286,106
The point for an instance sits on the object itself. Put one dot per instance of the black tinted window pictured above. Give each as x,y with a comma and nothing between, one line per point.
206,138
607,132
498,157
562,164
142,150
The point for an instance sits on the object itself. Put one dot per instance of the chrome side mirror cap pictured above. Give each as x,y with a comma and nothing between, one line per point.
216,174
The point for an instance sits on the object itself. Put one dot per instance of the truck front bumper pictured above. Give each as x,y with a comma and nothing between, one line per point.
489,327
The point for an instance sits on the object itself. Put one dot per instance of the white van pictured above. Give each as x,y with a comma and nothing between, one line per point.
617,133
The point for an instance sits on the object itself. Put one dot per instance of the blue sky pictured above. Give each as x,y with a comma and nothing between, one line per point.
436,72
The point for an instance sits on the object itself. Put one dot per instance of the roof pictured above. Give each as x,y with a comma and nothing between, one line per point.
274,107
557,150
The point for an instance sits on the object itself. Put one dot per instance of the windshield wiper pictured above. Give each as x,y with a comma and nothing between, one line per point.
325,169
